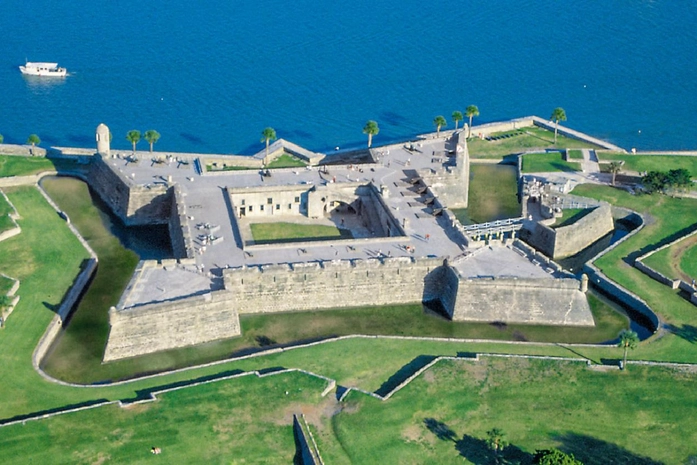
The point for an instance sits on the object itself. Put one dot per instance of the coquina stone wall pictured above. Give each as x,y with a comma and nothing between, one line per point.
185,322
451,186
519,300
333,284
134,204
568,240
179,229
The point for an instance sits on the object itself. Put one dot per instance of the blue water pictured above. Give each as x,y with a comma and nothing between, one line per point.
210,75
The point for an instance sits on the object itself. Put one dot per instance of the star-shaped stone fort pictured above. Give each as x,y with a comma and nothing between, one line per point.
399,241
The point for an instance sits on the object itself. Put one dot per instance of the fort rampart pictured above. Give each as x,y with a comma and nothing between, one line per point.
180,323
134,204
333,284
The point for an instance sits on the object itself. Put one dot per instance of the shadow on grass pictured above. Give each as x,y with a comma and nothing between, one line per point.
440,429
686,332
147,394
65,408
478,452
592,451
403,373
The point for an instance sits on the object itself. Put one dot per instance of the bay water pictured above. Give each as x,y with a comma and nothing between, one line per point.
210,75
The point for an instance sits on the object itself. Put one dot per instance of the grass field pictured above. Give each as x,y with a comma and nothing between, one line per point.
82,344
547,162
492,194
678,261
23,166
574,154
286,161
688,262
570,216
535,138
268,233
442,417
652,162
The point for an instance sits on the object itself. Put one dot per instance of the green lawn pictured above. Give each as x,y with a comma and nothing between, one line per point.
23,166
489,203
535,138
570,216
204,424
652,162
443,416
676,261
81,346
286,161
547,162
574,154
5,211
688,262
267,233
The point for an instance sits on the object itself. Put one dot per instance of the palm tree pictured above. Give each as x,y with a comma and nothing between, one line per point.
151,136
615,167
133,137
471,111
457,117
439,122
2,139
628,340
371,128
557,115
267,135
496,442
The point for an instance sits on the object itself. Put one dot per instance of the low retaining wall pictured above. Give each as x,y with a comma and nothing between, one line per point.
663,279
598,279
21,150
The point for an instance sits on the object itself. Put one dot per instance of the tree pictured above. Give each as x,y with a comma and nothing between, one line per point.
471,111
557,115
371,128
439,122
554,457
2,139
496,442
628,340
615,167
33,139
151,136
654,181
267,135
133,137
457,117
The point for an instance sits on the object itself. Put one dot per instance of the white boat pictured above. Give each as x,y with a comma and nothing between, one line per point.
42,69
